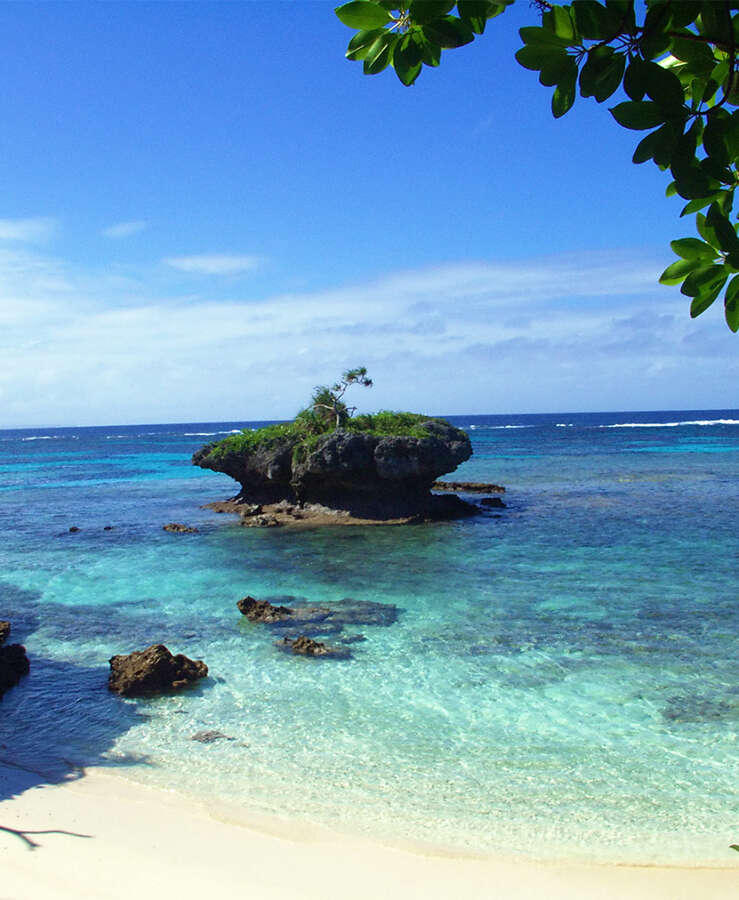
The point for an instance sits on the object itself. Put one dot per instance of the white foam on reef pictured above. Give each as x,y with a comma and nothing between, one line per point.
208,433
51,437
497,427
672,424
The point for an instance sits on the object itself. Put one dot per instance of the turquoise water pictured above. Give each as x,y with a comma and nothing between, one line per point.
556,678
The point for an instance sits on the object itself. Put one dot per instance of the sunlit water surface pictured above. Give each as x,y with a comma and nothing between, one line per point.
556,678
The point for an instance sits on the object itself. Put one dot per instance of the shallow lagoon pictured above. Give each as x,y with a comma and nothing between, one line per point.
561,678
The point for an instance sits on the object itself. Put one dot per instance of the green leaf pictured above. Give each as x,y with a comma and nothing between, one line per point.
360,44
407,60
559,21
705,280
734,846
722,227
717,128
536,57
430,52
703,300
664,87
608,77
380,54
542,37
424,11
691,181
564,93
732,290
705,230
477,12
635,79
696,205
638,114
449,32
657,23
363,14
692,248
594,21
678,271
696,54
646,147
556,69
731,313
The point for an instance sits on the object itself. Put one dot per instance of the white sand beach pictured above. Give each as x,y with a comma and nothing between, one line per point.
103,837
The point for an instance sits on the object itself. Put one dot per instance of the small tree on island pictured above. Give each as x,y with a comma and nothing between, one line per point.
328,402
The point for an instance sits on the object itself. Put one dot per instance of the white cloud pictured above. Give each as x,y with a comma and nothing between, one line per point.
124,229
590,332
31,230
214,263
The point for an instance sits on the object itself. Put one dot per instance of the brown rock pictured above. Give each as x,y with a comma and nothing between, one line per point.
260,521
210,737
263,610
13,665
305,646
178,528
153,671
4,631
468,487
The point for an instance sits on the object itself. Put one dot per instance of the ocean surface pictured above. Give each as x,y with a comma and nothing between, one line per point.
558,678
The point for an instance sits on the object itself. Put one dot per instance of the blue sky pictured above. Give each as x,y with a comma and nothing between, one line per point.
206,211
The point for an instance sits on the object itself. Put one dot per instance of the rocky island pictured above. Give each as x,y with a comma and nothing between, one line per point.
329,466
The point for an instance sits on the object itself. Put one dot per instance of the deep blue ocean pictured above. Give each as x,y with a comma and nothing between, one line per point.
558,678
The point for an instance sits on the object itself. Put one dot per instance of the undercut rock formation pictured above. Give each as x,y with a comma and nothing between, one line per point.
366,475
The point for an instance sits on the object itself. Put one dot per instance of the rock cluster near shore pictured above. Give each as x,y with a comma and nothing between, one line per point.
13,660
298,625
153,671
366,475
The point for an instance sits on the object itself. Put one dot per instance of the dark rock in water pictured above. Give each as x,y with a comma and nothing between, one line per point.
262,610
468,487
699,709
74,529
329,619
210,737
363,612
305,646
178,528
107,528
4,631
250,509
259,521
494,502
367,475
153,671
320,627
13,664
353,639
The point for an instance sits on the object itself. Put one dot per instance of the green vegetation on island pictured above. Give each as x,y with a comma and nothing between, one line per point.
327,413
372,466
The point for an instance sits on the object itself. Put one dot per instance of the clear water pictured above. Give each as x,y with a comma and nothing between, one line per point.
557,678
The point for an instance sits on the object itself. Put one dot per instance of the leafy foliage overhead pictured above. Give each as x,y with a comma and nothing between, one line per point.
676,61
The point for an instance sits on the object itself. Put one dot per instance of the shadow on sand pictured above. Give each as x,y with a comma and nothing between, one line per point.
57,721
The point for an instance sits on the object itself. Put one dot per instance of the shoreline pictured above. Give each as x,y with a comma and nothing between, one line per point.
107,837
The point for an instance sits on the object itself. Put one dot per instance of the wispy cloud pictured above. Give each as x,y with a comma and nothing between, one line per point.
540,334
214,263
33,230
124,229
